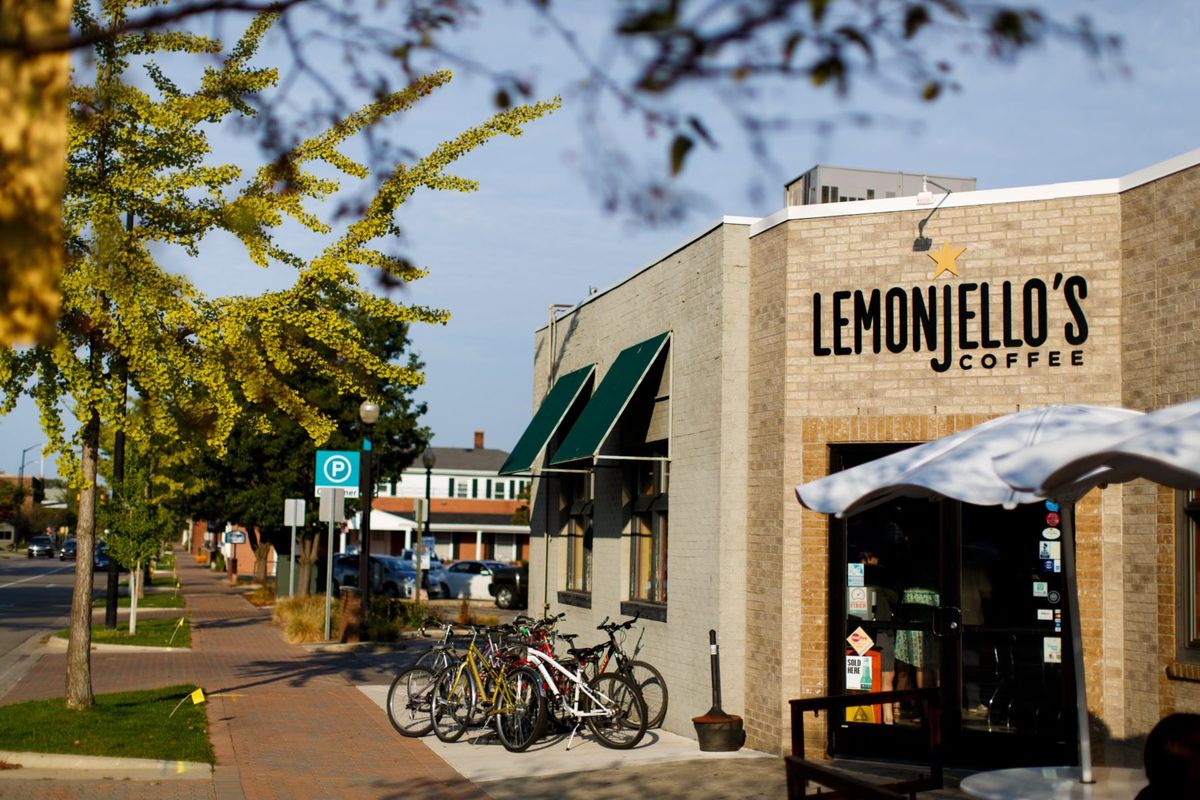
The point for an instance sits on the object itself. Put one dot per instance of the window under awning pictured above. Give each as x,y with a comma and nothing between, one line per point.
601,413
545,422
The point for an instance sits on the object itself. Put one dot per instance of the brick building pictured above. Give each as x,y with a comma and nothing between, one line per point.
474,512
764,353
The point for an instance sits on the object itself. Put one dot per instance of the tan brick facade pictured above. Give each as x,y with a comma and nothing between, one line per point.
1160,254
760,392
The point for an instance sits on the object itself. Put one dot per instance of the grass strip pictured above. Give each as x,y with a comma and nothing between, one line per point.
155,600
150,633
121,725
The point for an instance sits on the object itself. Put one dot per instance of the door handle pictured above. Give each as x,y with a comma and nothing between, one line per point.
947,621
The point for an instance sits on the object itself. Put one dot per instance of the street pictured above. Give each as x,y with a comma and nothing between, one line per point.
35,600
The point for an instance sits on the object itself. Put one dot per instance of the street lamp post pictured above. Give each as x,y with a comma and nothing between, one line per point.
368,412
21,470
428,459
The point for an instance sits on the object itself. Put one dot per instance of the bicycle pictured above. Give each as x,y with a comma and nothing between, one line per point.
409,696
645,677
608,703
495,683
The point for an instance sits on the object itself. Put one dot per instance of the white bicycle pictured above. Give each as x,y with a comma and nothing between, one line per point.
609,703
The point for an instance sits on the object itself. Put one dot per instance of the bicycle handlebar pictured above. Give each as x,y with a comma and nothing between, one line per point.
613,627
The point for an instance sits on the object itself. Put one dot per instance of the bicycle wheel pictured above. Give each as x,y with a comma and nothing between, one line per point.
624,724
451,704
521,717
408,701
653,688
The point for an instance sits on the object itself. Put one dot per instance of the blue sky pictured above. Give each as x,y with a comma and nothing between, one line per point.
536,234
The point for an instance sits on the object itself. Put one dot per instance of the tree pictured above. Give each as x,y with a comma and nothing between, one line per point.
137,527
33,144
137,177
261,467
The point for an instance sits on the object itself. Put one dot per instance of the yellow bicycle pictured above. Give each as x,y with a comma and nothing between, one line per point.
494,683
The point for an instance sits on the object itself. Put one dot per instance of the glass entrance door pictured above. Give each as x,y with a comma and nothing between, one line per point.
932,593
1016,704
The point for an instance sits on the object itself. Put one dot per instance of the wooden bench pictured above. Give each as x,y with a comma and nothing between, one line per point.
801,770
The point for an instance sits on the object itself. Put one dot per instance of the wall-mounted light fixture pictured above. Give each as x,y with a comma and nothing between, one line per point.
924,197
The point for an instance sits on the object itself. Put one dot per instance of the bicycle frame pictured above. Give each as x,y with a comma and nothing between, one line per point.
540,661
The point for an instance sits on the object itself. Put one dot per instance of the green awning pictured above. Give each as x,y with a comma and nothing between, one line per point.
604,409
545,422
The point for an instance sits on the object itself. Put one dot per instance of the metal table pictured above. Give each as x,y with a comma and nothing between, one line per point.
1054,783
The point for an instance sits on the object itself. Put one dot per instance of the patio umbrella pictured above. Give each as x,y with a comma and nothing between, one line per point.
960,466
1162,446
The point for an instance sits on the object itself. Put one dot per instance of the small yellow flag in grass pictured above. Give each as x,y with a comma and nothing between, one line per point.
197,697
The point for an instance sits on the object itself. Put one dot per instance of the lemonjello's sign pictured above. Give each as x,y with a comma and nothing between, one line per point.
965,325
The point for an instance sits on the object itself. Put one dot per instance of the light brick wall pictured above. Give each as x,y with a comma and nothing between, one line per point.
800,403
1160,250
698,293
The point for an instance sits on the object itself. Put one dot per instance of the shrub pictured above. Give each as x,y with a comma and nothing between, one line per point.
302,618
387,618
264,595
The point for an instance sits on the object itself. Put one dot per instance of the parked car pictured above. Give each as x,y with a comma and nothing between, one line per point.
433,576
40,546
471,578
390,575
100,559
510,586
68,550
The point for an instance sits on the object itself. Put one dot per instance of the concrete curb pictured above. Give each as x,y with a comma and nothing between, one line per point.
57,645
370,647
52,765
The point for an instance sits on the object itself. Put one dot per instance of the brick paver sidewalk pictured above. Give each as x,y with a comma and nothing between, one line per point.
283,725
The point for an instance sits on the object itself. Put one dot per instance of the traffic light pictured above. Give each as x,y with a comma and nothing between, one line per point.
39,490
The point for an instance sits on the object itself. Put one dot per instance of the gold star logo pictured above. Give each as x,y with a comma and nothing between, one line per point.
945,259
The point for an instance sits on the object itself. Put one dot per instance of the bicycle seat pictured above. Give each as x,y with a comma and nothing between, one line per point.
587,653
569,638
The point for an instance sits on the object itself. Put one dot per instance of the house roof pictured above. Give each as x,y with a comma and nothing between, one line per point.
483,459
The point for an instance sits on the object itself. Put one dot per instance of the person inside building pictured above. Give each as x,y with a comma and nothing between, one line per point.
916,658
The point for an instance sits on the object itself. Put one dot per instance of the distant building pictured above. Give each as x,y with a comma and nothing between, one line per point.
473,507
826,184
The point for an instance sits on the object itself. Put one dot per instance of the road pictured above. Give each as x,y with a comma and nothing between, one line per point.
35,599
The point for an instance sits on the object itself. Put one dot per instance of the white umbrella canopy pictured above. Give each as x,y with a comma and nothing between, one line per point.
1162,446
959,466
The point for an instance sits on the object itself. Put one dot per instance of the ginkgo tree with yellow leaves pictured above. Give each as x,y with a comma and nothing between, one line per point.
139,176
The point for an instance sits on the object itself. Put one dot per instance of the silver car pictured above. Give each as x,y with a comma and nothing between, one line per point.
40,547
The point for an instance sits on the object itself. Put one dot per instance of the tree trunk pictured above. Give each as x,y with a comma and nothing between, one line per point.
135,591
262,550
306,551
79,645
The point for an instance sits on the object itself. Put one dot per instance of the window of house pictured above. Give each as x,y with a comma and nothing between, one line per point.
579,534
498,492
648,531
1188,577
461,489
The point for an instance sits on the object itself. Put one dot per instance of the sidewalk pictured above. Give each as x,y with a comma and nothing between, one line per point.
287,722
284,725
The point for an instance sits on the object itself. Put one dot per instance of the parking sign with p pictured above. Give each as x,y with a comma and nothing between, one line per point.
337,469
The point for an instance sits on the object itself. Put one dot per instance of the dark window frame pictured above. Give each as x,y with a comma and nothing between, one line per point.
1187,577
